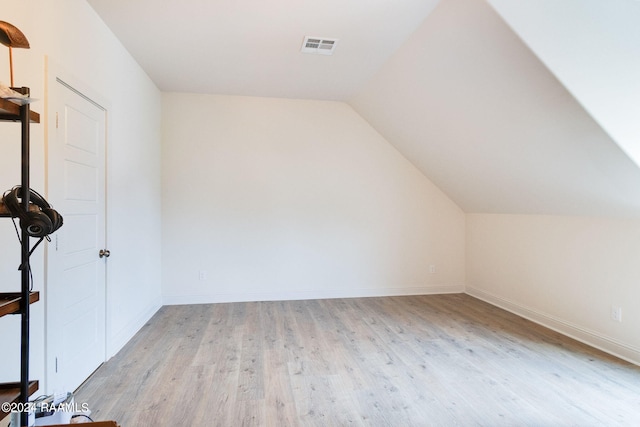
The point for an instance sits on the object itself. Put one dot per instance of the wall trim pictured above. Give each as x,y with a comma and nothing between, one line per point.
213,298
579,333
119,340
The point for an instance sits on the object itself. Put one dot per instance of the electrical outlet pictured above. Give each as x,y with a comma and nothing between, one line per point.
616,313
202,275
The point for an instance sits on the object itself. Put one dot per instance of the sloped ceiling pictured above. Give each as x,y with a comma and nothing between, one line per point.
448,82
469,103
593,48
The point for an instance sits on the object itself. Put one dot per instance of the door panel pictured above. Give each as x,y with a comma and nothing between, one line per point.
76,282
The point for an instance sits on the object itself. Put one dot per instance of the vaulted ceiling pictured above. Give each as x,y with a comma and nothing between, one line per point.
475,109
507,109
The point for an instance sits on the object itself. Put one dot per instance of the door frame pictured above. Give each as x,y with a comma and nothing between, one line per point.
56,74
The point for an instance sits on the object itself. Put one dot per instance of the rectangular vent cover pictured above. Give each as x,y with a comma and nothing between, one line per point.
319,45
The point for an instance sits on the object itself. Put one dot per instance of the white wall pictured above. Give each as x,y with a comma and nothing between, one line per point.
562,271
286,199
74,38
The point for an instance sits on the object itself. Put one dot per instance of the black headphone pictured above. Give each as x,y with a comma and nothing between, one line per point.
40,223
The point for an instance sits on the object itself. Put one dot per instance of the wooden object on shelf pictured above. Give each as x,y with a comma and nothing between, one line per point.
10,111
12,37
10,302
10,393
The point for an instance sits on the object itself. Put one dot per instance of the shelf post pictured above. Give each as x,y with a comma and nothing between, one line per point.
25,268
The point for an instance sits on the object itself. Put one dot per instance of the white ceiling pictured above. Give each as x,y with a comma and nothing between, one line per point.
252,47
478,113
593,48
447,82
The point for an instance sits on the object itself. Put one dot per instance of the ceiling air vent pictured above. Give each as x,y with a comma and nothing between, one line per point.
319,45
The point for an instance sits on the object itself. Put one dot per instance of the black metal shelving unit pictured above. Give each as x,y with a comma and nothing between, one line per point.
18,303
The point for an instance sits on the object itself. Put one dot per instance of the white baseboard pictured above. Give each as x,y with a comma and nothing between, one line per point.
118,341
584,335
308,294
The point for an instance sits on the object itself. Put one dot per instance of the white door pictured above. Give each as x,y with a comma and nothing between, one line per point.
76,282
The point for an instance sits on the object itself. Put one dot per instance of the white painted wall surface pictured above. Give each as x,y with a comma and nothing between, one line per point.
291,199
593,48
72,36
565,272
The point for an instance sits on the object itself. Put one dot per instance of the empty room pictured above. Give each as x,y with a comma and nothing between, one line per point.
290,213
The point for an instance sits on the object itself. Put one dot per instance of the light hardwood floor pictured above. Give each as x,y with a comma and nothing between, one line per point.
439,360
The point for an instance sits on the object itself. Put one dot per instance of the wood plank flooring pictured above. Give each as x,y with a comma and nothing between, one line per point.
439,360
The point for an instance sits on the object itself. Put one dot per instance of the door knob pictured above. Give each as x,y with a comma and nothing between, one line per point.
104,253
